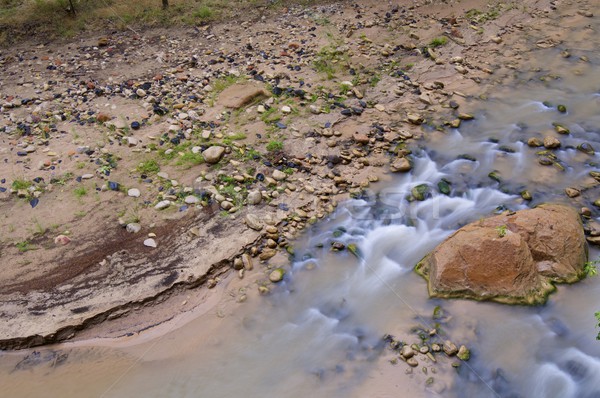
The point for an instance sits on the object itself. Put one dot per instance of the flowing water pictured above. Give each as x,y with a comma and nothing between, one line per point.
320,332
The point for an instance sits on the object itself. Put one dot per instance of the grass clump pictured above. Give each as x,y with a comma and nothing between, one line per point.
274,146
20,184
189,159
234,137
438,42
590,268
148,167
223,82
329,60
24,246
80,192
501,230
270,116
204,13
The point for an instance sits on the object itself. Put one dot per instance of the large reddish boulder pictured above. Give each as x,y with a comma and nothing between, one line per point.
515,257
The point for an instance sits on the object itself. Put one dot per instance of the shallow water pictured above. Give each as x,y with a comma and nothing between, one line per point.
320,333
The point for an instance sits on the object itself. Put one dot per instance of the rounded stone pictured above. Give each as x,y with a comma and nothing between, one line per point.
254,197
191,199
162,204
400,165
225,205
277,275
133,228
551,142
213,154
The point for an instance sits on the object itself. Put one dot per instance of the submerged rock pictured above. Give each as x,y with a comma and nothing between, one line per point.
512,258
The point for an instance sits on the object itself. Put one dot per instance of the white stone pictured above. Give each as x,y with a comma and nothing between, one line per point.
162,204
191,199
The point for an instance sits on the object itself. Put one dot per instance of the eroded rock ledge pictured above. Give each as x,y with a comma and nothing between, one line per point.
513,258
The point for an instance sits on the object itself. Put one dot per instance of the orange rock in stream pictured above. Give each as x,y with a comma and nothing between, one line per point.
511,258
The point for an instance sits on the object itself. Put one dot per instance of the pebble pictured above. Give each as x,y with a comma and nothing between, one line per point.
213,154
415,119
400,165
271,229
463,353
162,204
551,142
361,138
134,193
247,262
279,175
407,352
254,197
226,205
450,348
253,222
277,275
572,192
150,242
133,228
62,240
534,142
191,199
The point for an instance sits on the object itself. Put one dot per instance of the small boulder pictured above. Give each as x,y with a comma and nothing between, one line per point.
511,258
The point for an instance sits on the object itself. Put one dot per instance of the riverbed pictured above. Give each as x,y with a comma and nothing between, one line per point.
320,332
